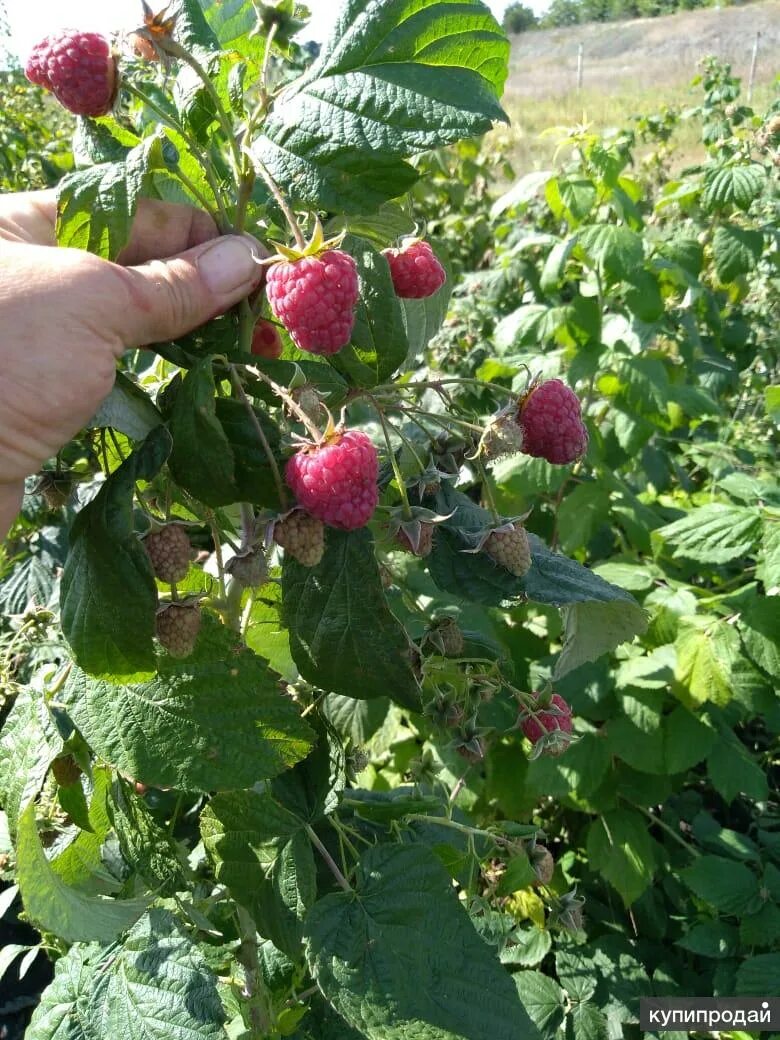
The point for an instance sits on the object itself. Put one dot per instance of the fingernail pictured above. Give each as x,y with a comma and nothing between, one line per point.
228,264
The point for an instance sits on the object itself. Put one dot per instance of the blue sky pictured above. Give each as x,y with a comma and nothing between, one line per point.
31,19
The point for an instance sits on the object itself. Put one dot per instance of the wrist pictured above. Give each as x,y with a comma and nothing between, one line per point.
10,504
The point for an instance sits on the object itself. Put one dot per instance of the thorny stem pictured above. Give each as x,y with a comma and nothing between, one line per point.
440,420
241,394
331,863
255,992
289,400
434,384
300,997
283,204
487,487
462,827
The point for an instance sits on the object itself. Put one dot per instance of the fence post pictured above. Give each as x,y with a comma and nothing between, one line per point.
753,63
580,51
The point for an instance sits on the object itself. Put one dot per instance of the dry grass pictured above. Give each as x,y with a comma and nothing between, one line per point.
630,68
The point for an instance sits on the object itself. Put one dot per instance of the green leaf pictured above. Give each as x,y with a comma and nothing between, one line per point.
127,409
145,846
156,984
202,460
724,884
736,185
398,956
62,1013
389,82
715,534
266,635
378,345
706,651
574,968
772,402
581,514
616,251
758,976
212,722
96,206
343,635
711,939
620,850
192,29
79,864
27,749
758,628
108,595
594,628
586,1022
543,999
423,318
733,772
687,740
552,579
768,570
261,852
736,250
54,906
254,478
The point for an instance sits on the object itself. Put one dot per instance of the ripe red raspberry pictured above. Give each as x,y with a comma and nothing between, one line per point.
178,625
545,726
78,68
266,341
415,270
169,550
302,536
336,481
510,549
314,298
552,425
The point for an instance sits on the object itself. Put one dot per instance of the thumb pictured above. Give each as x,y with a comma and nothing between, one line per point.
171,297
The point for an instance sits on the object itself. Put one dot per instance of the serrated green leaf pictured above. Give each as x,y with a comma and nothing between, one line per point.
145,846
543,999
715,939
580,515
261,852
27,749
108,595
96,206
54,906
724,884
716,533
733,772
594,628
586,1022
621,850
687,740
736,250
399,957
62,1013
768,570
212,722
706,652
616,251
758,976
343,635
758,627
156,983
378,345
267,636
402,79
79,865
736,185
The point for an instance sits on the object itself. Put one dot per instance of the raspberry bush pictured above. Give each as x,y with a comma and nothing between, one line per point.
310,742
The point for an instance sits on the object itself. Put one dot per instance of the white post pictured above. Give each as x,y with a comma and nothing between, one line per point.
753,63
580,51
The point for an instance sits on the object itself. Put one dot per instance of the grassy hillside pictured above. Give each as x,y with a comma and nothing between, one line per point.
630,68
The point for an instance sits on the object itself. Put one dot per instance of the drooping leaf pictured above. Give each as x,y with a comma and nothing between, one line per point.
214,721
389,82
398,957
108,594
343,635
54,906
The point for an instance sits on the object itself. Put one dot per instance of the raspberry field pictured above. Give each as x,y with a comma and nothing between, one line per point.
396,656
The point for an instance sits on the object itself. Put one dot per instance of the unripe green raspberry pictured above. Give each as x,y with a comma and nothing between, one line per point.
178,625
250,569
510,549
301,535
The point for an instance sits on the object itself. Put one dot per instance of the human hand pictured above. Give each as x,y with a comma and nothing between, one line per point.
66,316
